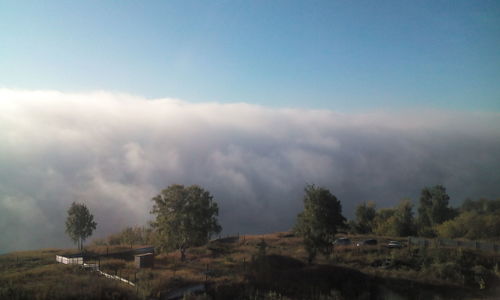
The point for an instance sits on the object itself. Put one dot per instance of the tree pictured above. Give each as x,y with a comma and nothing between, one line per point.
434,209
471,225
383,221
319,221
80,223
479,219
132,236
396,221
405,223
365,213
481,206
185,217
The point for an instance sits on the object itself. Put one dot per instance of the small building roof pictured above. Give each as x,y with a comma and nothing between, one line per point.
145,254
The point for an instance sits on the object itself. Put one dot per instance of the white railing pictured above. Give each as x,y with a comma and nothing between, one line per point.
94,267
69,260
116,277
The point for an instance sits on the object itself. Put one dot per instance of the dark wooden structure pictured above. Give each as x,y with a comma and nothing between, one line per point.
146,260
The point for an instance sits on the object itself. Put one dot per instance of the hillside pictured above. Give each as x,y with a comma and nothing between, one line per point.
269,266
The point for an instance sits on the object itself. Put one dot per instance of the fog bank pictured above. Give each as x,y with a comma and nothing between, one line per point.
114,152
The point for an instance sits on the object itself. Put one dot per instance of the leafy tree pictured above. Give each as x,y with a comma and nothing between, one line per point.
365,213
383,221
132,236
185,217
396,221
434,209
471,225
80,223
481,206
319,221
405,225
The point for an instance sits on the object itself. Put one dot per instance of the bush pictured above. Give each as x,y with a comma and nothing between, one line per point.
450,271
482,277
471,225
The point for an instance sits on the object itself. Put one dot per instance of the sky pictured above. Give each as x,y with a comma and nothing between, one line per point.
334,55
106,103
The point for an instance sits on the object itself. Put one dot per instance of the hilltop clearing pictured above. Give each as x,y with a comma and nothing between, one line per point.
272,266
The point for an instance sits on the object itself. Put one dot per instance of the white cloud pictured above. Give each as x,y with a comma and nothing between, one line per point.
115,151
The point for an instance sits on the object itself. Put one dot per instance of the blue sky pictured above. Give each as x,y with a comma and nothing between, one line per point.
387,97
347,56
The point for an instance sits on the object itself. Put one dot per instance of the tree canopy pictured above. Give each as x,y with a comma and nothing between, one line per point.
478,219
481,206
80,223
185,217
397,221
319,221
434,209
365,214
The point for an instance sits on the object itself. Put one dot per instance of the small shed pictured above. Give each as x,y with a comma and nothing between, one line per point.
145,260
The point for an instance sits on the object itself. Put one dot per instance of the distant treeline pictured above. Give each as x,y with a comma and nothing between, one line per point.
434,217
137,235
474,219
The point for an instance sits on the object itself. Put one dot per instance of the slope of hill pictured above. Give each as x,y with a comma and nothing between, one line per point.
269,266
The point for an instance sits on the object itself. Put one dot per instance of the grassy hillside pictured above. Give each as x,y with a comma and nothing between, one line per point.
36,275
270,266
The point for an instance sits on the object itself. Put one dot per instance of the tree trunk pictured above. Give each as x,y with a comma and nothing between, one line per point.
183,253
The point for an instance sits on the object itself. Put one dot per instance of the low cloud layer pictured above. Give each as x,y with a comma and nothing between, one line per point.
114,152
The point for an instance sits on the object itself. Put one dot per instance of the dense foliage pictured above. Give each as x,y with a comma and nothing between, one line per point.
478,219
319,221
434,209
474,219
365,215
131,236
397,221
185,217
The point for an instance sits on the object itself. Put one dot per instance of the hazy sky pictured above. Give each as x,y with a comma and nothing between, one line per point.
107,103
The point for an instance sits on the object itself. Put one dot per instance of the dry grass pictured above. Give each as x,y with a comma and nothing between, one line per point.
231,267
36,275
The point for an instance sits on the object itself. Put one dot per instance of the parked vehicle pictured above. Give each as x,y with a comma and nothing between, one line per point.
369,242
342,242
394,245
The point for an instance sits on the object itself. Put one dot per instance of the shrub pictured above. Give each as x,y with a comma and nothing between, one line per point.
450,271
